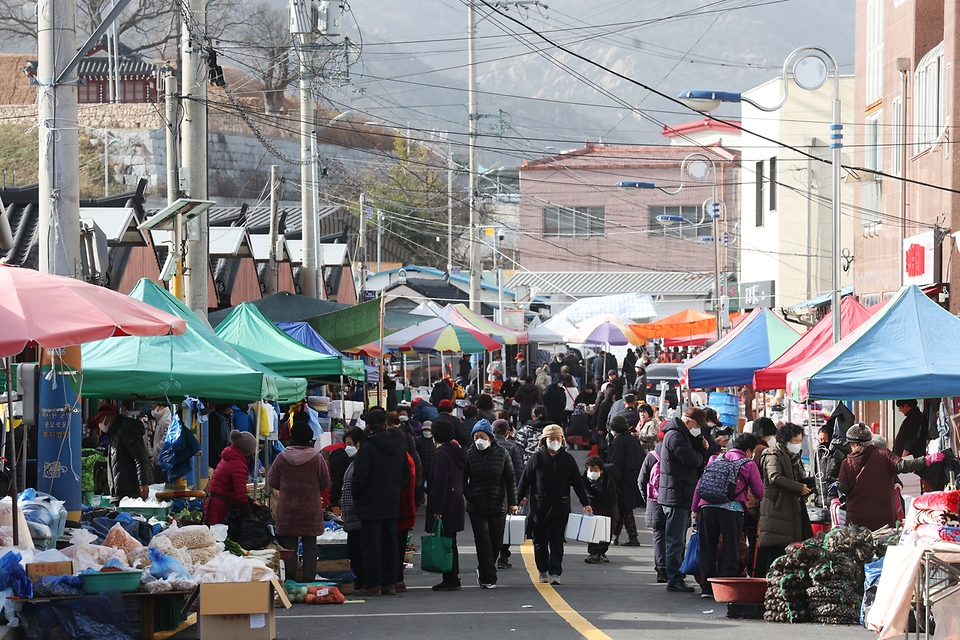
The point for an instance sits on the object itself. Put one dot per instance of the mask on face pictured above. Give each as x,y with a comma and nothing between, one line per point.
427,433
403,418
351,450
482,444
593,476
553,445
794,448
104,426
695,432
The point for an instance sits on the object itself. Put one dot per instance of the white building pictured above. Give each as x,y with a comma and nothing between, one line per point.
786,221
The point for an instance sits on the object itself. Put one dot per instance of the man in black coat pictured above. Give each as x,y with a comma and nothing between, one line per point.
548,477
441,391
380,471
554,401
626,456
219,432
128,461
555,366
685,454
629,411
628,370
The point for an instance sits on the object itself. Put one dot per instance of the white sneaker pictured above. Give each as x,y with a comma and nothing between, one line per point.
488,586
544,578
554,579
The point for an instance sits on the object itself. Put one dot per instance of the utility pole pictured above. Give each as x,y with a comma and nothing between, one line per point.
196,262
59,154
379,239
362,246
272,271
173,154
475,268
308,259
449,211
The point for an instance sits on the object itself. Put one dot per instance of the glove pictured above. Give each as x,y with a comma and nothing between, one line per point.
934,458
810,482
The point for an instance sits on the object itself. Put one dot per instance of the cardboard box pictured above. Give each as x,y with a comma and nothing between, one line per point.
514,530
588,528
239,610
36,570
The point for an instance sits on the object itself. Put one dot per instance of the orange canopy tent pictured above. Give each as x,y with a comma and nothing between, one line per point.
683,324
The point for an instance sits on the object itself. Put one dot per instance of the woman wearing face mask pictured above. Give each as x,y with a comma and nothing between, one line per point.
548,477
340,459
490,490
765,431
867,476
348,511
426,449
783,516
162,419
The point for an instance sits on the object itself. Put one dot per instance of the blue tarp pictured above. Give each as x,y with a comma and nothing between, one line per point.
910,348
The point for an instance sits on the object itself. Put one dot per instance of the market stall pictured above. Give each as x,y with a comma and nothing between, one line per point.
607,329
756,342
682,324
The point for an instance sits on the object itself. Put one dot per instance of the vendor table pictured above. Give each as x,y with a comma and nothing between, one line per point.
142,609
938,578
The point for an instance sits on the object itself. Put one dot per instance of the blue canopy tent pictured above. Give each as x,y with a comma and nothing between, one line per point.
756,341
308,337
910,348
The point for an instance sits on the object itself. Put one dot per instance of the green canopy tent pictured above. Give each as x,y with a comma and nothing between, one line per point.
197,363
252,334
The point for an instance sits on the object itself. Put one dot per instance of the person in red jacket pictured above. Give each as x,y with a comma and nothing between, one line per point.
407,519
228,486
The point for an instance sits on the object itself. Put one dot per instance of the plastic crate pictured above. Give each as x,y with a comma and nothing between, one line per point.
168,612
98,582
160,513
332,552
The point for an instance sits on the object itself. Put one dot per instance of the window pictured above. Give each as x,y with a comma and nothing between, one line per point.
693,226
759,193
870,193
89,92
871,147
897,137
573,222
874,78
929,104
773,184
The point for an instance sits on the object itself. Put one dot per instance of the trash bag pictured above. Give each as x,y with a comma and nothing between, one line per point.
12,575
58,586
176,453
253,531
691,561
99,617
163,566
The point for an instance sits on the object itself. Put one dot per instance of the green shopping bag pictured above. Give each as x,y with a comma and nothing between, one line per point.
436,552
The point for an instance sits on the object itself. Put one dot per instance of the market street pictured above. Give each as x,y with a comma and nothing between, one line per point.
616,600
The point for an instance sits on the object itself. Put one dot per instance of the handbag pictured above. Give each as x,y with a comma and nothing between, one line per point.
691,561
436,552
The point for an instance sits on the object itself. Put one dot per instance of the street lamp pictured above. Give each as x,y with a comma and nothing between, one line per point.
809,67
697,166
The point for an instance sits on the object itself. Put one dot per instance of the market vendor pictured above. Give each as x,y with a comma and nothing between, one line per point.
128,461
911,437
867,476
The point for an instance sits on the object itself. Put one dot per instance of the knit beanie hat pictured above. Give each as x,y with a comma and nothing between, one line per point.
301,433
859,433
619,424
245,441
484,426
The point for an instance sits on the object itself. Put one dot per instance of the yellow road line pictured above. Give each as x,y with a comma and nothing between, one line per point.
580,624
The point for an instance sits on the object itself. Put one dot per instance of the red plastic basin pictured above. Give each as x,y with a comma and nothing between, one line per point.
739,590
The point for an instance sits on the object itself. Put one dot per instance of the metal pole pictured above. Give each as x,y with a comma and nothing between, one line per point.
308,259
362,247
59,160
379,238
315,172
272,270
173,170
716,257
106,163
196,263
903,165
836,144
475,268
449,211
11,452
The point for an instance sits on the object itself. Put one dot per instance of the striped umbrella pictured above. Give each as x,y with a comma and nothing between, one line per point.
605,329
451,339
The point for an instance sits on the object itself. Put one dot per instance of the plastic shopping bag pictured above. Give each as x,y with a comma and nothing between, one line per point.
691,561
436,551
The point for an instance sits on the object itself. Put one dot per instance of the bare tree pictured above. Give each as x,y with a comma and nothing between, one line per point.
274,64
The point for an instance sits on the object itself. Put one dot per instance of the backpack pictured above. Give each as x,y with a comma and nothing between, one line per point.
653,484
719,481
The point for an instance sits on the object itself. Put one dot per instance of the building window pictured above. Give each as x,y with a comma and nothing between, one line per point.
874,78
694,224
870,192
573,222
870,299
759,194
871,147
897,137
773,184
929,104
89,92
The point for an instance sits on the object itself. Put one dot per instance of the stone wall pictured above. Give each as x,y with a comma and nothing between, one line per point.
239,165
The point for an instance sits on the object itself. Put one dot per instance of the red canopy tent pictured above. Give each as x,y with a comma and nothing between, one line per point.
811,344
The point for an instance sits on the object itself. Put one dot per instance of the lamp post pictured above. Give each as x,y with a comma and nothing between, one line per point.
697,166
809,67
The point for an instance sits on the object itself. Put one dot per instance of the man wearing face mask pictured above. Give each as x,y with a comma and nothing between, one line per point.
427,450
548,477
128,461
685,454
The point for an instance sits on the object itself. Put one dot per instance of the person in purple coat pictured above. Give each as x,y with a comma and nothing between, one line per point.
725,520
445,504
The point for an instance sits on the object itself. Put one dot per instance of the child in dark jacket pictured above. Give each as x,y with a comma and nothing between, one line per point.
600,482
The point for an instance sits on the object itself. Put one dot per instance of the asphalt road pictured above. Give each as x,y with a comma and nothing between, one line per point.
618,601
